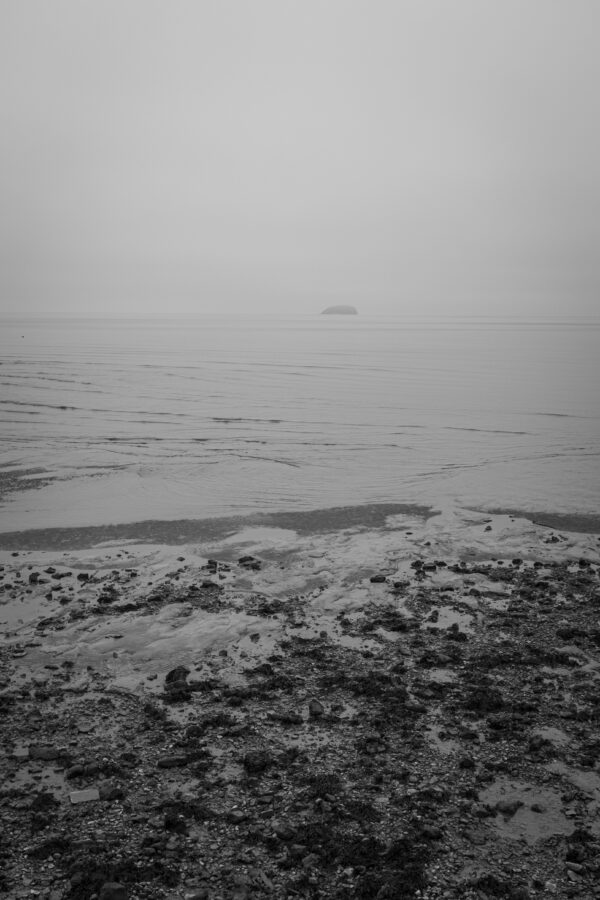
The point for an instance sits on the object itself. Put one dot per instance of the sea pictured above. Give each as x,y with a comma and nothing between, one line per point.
130,420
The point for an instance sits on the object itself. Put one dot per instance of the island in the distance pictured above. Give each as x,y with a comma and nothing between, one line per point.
343,309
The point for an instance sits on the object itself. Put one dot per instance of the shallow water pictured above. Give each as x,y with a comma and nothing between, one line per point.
528,824
135,420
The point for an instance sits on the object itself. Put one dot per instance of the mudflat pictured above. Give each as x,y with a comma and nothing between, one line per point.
405,707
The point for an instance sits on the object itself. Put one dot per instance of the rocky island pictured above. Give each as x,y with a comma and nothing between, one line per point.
342,309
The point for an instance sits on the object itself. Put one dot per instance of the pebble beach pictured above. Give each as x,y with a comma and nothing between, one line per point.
374,704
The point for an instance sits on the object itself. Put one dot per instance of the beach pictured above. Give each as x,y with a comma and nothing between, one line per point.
378,702
299,607
299,451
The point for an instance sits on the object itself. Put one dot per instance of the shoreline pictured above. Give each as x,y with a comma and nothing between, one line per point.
183,531
404,703
316,521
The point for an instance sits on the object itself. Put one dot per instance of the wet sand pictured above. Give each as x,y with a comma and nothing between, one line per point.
376,701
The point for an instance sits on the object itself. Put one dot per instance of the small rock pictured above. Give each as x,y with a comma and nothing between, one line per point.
508,807
476,836
179,673
575,867
85,727
108,790
250,562
289,718
44,753
171,762
85,796
176,686
284,831
112,890
237,816
257,761
315,709
175,822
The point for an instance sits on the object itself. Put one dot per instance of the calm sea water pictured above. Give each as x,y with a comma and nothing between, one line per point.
162,419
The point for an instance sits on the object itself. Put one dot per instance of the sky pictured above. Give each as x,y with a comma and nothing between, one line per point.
201,156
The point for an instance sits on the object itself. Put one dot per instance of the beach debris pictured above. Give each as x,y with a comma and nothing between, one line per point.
86,796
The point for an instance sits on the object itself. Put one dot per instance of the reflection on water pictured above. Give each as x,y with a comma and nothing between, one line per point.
127,421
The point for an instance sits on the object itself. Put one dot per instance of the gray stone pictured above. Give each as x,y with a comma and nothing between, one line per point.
112,890
108,790
315,709
171,762
508,807
284,831
85,796
44,753
256,761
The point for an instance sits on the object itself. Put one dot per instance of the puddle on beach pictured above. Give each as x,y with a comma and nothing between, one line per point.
444,745
544,820
554,735
43,778
331,629
442,676
336,600
257,536
25,609
165,639
448,616
586,781
333,569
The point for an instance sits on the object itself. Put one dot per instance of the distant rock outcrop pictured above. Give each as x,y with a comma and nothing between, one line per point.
343,309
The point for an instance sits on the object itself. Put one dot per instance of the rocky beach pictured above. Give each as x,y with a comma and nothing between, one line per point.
407,708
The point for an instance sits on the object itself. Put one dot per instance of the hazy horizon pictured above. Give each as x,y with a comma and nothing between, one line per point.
410,158
442,316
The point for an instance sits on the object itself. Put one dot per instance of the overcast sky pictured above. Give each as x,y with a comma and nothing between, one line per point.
407,156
